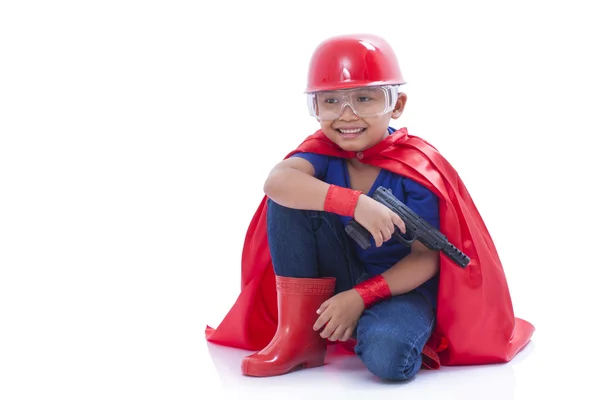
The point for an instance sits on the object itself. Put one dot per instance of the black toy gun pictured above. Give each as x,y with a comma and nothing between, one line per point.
416,229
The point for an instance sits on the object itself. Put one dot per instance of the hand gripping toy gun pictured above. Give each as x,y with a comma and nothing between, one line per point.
416,229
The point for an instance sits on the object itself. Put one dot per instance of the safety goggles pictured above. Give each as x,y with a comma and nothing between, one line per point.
364,102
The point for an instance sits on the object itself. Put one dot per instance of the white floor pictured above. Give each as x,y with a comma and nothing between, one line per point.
344,376
537,372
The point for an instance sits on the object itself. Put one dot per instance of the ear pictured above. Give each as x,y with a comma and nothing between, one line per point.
400,103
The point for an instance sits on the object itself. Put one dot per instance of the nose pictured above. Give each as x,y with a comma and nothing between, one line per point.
348,113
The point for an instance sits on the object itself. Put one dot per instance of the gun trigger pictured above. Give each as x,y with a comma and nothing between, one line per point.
401,239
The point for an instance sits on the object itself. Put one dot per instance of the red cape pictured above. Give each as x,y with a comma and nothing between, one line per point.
475,320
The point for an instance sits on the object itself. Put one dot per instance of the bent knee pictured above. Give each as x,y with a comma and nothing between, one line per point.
278,213
390,359
273,206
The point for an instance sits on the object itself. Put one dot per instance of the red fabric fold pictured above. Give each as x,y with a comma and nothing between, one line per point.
475,321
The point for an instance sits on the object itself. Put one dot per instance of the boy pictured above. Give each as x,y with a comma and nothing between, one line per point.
404,307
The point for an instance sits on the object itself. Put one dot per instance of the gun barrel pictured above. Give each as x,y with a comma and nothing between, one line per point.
421,229
456,255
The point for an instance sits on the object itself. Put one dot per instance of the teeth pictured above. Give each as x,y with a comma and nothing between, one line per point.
351,130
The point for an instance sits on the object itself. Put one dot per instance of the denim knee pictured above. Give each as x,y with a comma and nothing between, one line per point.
276,208
389,357
282,216
292,218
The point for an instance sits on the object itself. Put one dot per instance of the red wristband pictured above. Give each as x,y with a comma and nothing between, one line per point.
341,201
373,290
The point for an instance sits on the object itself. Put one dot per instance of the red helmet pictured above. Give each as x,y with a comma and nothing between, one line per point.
348,61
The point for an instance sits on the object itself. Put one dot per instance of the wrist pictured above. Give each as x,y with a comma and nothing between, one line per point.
341,201
373,290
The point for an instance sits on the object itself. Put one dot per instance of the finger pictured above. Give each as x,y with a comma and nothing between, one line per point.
387,234
322,320
378,239
337,334
399,223
328,330
391,227
323,306
347,335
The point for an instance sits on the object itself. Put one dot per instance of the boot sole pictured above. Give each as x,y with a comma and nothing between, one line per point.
250,369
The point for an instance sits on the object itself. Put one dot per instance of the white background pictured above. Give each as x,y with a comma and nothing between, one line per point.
135,138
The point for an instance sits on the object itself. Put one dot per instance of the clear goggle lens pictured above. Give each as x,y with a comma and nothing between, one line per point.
365,102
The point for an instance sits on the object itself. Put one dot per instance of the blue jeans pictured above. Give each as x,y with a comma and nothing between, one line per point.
311,244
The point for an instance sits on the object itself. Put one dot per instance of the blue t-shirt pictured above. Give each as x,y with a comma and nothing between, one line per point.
422,201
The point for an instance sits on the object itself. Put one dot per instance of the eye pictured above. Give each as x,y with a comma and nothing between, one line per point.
330,101
364,98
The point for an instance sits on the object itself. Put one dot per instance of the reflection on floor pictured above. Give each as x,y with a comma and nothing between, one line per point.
345,377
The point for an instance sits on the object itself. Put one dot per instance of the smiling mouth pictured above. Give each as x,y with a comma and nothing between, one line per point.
351,132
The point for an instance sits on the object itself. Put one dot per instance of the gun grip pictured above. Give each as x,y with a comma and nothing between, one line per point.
359,233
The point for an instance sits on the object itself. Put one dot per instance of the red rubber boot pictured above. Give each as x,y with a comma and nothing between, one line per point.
295,344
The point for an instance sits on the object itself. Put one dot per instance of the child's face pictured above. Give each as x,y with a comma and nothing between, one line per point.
354,133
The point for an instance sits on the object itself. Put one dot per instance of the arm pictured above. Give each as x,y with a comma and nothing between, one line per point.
416,268
340,313
413,270
422,263
407,274
292,183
